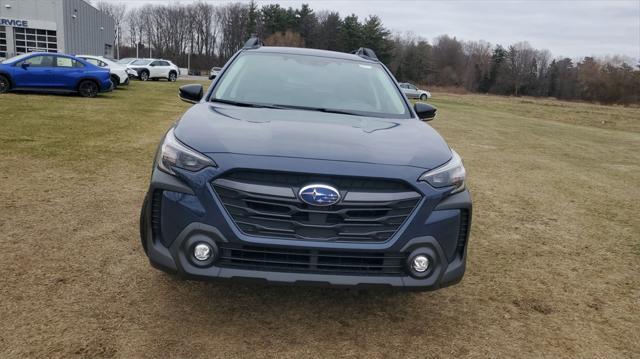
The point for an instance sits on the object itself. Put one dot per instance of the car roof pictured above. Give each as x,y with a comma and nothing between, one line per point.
48,53
309,52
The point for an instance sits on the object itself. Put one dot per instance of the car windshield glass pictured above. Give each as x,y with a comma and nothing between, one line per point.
311,83
126,60
15,58
141,62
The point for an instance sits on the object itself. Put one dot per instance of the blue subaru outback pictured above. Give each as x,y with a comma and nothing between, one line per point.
302,166
52,72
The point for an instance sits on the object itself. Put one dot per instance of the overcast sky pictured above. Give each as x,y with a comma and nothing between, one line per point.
566,28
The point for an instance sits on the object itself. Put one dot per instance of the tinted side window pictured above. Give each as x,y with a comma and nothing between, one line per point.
39,61
92,61
156,63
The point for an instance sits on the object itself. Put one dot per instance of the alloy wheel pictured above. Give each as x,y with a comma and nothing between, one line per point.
88,89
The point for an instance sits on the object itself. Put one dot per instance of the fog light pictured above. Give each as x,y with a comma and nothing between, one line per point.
420,263
202,252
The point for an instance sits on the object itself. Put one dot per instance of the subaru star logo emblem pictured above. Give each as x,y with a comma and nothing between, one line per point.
319,195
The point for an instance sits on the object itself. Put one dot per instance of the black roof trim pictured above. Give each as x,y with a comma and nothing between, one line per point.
365,52
253,43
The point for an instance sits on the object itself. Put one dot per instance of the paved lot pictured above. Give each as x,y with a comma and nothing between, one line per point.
553,263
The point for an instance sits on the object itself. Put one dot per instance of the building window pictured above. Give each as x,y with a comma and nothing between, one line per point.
35,40
3,42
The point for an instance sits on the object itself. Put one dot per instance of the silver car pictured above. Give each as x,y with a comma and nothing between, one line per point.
413,92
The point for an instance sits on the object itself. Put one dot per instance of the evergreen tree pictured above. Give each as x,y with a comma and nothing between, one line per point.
350,34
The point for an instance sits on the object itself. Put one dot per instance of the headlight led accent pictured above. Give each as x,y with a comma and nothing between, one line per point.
451,173
174,154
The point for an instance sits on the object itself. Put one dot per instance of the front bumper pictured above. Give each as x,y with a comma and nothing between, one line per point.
192,213
106,86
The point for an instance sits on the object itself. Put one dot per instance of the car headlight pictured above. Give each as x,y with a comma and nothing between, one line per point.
451,174
173,154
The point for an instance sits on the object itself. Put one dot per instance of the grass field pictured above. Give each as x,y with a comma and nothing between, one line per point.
553,269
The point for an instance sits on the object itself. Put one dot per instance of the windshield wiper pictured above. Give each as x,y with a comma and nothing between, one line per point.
243,104
319,109
286,107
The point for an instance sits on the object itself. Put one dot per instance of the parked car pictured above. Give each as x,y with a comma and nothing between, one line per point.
412,91
48,72
155,69
214,72
306,166
119,73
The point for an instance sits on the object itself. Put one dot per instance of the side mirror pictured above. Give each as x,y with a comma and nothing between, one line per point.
25,64
424,111
211,77
191,93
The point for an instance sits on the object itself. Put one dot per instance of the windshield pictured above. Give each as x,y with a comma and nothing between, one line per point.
126,60
141,62
15,58
311,82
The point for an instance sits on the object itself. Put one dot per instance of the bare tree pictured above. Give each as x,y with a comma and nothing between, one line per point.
477,64
117,13
521,61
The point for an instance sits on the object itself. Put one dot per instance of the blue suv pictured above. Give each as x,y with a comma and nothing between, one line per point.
303,166
48,72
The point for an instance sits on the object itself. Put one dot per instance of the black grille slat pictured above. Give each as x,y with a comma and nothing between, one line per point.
463,232
267,214
156,205
310,261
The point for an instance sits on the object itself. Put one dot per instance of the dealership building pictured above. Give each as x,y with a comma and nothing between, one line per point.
65,26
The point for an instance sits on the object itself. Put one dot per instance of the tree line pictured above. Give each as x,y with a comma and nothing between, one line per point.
203,35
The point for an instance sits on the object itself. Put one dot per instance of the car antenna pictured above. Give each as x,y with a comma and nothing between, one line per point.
253,43
366,53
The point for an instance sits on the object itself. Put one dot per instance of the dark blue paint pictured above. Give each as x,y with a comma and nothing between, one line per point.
286,141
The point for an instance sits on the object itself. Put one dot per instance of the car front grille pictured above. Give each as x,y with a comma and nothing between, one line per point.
310,261
266,204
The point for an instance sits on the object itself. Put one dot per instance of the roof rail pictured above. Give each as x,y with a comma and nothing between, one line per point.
365,52
252,43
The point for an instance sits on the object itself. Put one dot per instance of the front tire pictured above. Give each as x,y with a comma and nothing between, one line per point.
5,85
172,77
88,88
423,97
144,75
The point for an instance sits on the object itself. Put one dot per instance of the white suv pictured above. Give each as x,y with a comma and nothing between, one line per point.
119,73
155,69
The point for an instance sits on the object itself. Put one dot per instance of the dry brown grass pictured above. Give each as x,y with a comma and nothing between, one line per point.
553,262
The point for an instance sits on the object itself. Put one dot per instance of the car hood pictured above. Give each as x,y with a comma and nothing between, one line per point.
216,128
